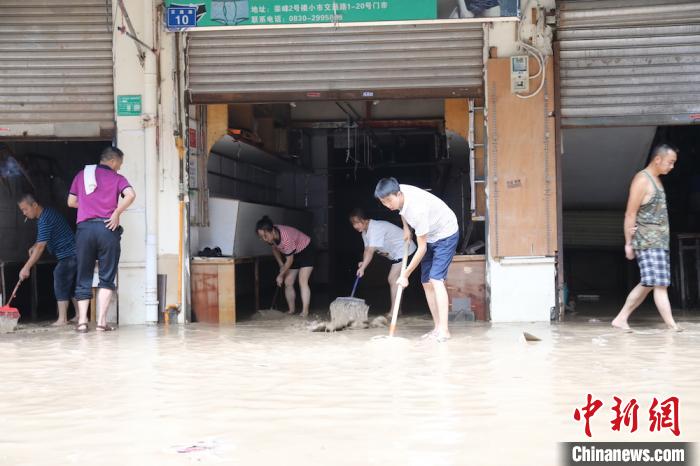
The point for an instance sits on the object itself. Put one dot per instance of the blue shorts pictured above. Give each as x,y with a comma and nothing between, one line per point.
654,267
64,278
437,258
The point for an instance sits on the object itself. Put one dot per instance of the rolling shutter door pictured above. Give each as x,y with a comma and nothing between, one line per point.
267,65
56,69
629,62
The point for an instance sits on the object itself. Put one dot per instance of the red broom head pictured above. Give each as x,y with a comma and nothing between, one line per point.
9,312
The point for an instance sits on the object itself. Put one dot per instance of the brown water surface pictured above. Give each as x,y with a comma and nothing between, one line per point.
269,392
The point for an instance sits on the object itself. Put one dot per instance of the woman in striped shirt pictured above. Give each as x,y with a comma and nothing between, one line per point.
299,255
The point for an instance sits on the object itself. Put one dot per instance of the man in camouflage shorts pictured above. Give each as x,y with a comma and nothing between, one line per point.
647,237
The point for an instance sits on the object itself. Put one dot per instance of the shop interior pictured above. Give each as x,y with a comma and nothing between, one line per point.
46,170
309,164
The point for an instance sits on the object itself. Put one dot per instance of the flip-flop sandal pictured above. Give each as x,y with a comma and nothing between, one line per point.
104,328
81,328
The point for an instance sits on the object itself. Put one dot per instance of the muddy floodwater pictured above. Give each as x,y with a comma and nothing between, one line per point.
269,392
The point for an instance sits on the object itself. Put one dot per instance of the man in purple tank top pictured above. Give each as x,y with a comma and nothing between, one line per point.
95,192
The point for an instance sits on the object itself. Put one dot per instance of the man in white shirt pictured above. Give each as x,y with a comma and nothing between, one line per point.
385,239
437,235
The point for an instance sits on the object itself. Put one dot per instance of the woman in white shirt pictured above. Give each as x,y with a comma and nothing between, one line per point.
383,238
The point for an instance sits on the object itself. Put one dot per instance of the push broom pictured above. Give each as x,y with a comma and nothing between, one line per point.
9,315
350,309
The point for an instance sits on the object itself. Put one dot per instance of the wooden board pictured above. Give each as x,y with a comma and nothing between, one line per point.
205,294
227,294
521,166
457,116
217,124
480,199
466,278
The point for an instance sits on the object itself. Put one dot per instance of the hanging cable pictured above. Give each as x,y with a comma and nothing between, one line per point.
131,33
347,149
108,15
533,51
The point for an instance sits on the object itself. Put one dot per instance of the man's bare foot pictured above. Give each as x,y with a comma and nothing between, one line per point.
430,334
620,324
59,323
304,314
442,337
676,328
291,312
74,320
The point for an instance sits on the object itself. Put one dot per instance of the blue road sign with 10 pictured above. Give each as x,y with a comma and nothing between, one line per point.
181,17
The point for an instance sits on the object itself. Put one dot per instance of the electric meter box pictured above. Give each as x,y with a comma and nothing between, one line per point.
519,74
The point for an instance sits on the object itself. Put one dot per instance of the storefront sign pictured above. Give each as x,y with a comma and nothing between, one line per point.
129,105
285,12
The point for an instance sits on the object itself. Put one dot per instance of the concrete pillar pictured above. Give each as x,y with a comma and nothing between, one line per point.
150,141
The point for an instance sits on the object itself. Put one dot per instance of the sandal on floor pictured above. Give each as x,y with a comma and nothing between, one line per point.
81,328
104,328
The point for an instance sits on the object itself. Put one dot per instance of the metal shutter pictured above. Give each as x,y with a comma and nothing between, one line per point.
267,65
593,229
629,62
56,69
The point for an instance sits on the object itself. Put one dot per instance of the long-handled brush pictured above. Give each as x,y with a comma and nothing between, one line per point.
9,315
399,291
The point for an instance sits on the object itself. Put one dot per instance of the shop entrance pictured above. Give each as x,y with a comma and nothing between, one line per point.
598,166
308,164
45,170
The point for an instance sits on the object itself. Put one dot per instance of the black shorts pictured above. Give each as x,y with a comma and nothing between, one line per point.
398,261
305,258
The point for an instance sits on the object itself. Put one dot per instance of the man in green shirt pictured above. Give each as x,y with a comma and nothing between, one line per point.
647,237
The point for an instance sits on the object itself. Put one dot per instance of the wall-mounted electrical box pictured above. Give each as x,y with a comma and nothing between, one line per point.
519,74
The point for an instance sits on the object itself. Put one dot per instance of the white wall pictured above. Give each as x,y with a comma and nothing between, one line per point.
232,226
169,166
221,232
523,289
168,157
129,79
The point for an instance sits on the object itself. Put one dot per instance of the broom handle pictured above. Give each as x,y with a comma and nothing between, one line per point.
399,291
14,292
354,287
274,298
